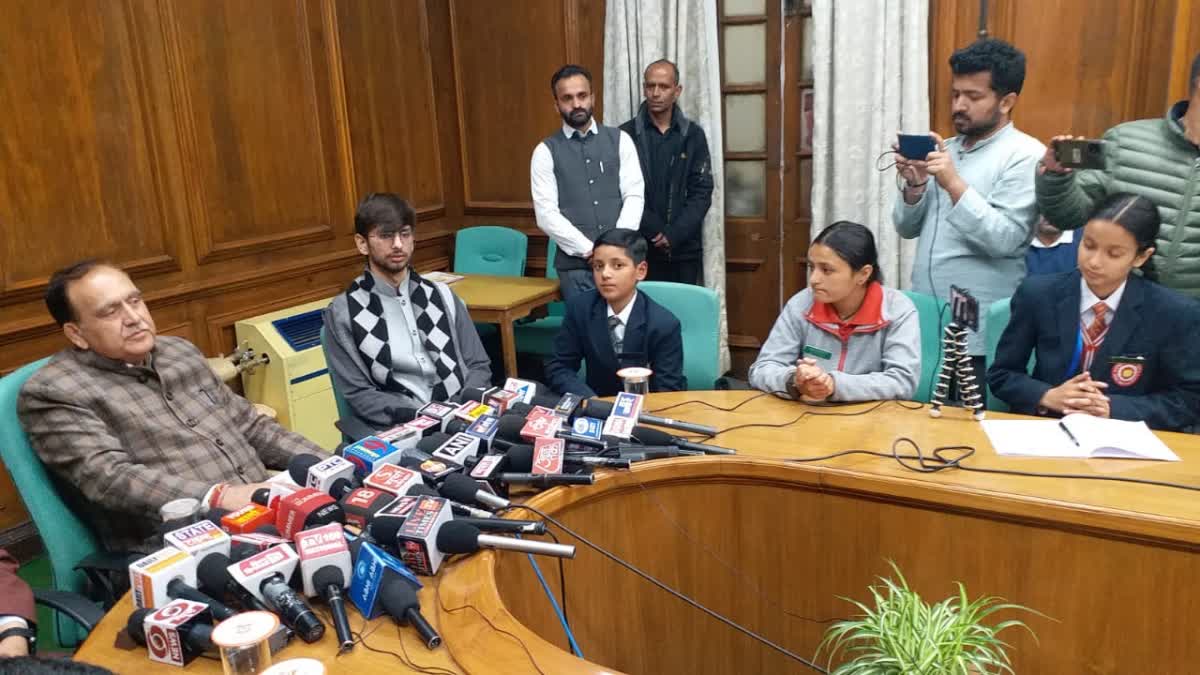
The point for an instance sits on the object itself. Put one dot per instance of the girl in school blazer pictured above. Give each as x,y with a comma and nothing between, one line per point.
1108,342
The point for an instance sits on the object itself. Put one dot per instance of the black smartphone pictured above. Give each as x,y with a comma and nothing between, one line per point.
1081,153
916,146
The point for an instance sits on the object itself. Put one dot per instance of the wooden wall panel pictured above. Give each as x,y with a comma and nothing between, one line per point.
79,152
252,100
1090,64
505,105
390,104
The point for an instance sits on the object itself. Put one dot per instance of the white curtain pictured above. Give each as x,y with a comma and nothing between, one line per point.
639,32
871,81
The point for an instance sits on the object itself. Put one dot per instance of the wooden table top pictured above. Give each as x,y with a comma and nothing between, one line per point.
1137,511
482,291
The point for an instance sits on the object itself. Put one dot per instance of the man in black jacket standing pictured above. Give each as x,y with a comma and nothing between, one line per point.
673,152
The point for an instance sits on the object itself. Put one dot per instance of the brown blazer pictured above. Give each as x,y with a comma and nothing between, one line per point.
129,439
15,597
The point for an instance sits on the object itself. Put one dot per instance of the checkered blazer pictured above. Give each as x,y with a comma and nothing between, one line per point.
128,439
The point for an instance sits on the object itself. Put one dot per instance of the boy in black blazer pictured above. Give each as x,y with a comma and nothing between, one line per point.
614,326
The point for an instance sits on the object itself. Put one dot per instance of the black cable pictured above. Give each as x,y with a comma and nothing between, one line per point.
707,404
437,594
361,639
728,622
938,461
814,413
562,583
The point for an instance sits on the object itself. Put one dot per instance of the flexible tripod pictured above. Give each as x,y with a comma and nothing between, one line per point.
955,358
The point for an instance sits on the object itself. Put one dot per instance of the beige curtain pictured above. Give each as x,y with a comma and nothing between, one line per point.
871,81
638,32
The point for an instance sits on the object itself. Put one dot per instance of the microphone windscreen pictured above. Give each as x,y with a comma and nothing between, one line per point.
299,465
597,408
509,428
520,408
214,515
471,394
456,426
267,528
136,626
545,400
519,458
402,415
648,436
432,442
421,490
330,575
456,536
459,488
213,575
397,598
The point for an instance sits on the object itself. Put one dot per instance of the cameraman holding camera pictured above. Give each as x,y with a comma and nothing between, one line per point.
1155,158
971,201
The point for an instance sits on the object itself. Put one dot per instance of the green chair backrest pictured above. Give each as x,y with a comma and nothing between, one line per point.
554,308
997,320
489,249
932,321
699,314
66,538
343,408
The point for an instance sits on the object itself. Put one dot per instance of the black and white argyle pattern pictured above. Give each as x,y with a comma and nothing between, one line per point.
369,330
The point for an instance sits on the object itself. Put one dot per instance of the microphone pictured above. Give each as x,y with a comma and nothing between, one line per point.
504,525
547,480
181,590
520,459
374,570
393,478
150,576
524,389
650,436
306,508
249,518
363,503
214,577
370,453
455,506
462,489
433,470
199,539
457,537
266,575
324,568
603,409
400,601
416,537
175,633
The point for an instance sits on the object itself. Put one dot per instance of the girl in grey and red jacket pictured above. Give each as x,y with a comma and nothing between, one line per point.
846,337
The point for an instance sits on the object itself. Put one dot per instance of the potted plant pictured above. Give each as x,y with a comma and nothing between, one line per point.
903,635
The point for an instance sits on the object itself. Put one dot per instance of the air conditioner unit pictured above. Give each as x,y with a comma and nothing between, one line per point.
295,381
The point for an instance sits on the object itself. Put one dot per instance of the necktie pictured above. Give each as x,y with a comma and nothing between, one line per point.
1093,334
614,322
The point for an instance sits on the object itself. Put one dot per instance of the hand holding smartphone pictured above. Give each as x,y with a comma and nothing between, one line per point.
1079,153
916,146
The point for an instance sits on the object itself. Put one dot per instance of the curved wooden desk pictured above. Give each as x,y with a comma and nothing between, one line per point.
772,544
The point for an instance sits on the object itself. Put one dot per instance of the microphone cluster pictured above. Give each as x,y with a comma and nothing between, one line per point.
359,526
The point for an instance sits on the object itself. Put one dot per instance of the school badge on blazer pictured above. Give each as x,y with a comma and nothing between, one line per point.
1126,371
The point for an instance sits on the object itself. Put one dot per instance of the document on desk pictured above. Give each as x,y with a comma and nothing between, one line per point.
1077,436
442,277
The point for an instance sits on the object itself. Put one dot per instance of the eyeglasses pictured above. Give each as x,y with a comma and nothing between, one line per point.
390,235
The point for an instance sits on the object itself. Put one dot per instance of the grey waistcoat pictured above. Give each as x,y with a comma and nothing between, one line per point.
589,190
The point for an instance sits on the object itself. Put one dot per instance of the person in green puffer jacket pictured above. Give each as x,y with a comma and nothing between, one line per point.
1156,158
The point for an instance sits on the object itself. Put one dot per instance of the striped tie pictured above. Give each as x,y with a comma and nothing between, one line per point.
1093,334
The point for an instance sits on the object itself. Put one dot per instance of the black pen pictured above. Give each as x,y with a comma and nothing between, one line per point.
1069,434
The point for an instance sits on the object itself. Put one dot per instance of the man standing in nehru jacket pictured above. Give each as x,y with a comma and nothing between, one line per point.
675,164
585,179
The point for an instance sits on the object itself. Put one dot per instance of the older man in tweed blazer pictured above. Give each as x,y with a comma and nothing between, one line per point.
132,421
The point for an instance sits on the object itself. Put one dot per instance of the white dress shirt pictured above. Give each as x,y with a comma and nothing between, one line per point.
623,316
545,194
1065,237
1087,299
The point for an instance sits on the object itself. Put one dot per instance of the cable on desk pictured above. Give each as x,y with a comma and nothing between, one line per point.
613,557
437,594
815,413
707,404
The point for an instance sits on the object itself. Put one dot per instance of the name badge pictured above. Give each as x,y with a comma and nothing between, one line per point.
817,352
